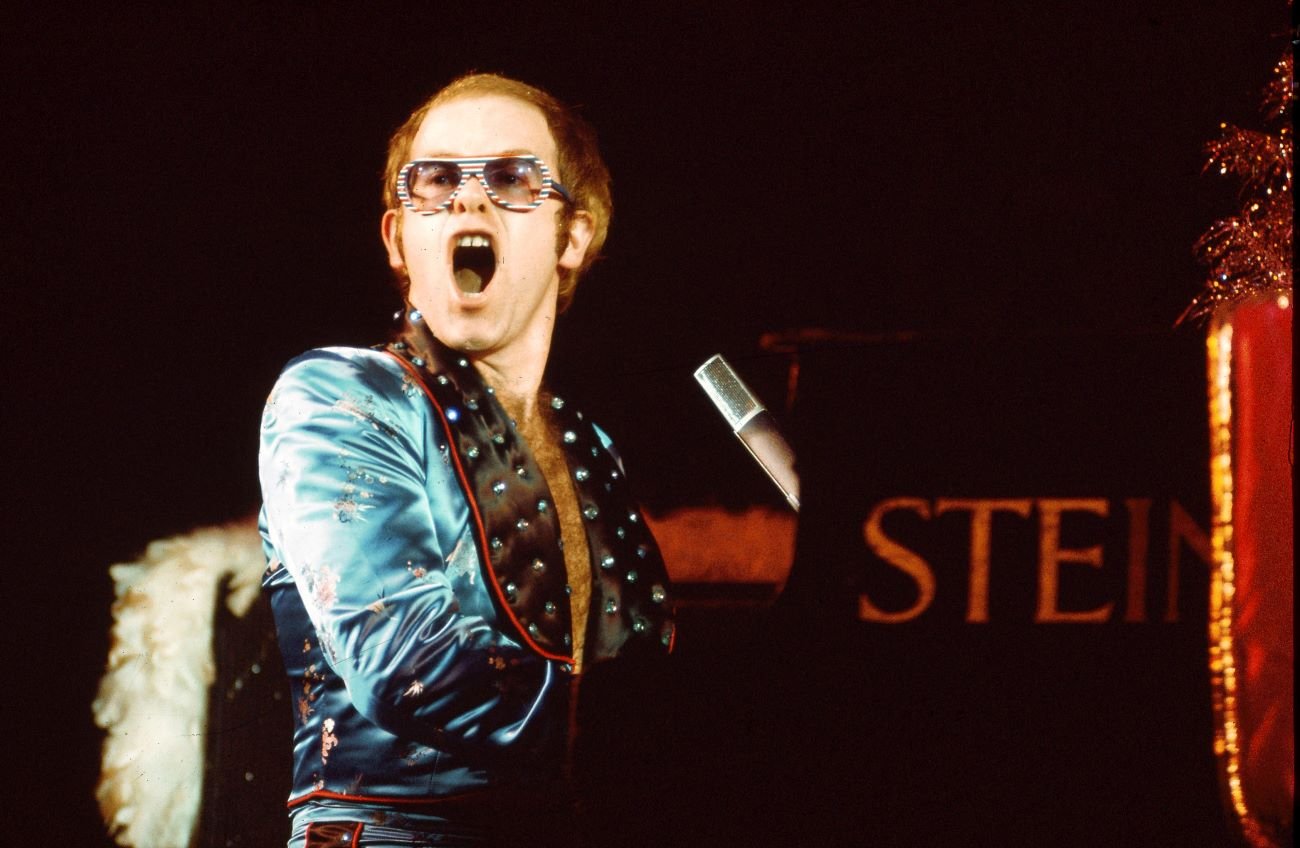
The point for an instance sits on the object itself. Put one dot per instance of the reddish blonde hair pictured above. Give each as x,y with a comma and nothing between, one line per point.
580,167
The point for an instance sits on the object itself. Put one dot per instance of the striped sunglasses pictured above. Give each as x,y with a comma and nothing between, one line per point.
520,183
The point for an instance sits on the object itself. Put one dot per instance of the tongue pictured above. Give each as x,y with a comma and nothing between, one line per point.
469,280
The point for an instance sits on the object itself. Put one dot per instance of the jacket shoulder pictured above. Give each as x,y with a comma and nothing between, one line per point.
364,384
343,365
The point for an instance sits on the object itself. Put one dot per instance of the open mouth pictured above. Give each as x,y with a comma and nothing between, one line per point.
473,261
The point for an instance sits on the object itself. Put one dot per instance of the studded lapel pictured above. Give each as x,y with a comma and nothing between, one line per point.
516,527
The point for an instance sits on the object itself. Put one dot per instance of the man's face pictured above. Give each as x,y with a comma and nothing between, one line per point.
515,309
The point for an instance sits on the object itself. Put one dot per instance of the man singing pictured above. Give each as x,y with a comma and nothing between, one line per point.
449,543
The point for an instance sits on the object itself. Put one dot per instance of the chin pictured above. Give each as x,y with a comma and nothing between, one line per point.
461,335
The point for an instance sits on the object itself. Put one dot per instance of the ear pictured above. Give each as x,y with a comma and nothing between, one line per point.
581,229
389,232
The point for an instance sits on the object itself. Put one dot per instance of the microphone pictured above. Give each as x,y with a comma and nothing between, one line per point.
752,424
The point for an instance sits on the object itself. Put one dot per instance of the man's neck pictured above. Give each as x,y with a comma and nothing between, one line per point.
517,382
515,369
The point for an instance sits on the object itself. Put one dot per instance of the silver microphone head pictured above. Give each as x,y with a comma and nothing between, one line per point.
728,392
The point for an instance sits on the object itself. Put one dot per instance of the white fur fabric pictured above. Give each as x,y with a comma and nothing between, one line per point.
153,700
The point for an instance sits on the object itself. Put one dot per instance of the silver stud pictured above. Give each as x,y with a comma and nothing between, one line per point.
640,625
542,505
595,452
657,594
533,630
607,561
611,606
399,345
632,516
521,471
631,577
570,437
590,512
463,363
620,532
568,640
521,524
613,475
442,380
491,390
557,403
549,607
498,439
417,361
511,589
581,474
642,551
473,452
667,638
568,590
495,543
567,668
498,488
472,405
415,315
453,414
538,566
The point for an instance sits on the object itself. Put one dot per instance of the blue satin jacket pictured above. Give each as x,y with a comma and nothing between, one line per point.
417,580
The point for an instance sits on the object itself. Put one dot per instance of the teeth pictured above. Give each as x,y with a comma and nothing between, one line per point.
472,241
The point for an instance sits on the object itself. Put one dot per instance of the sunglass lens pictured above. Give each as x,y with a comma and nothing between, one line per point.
514,180
431,183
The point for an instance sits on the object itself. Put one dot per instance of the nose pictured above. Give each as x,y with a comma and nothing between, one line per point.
472,197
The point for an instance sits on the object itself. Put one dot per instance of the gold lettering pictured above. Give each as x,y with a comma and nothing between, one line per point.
1183,529
1051,555
981,544
1139,532
905,560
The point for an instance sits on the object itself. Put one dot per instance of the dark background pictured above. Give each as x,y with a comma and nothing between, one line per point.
193,199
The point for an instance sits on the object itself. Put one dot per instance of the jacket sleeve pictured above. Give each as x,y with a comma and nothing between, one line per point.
352,476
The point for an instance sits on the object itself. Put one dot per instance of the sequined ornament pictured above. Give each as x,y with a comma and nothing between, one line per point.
1250,253
1249,301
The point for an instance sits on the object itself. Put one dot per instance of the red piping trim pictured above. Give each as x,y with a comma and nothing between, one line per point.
375,799
473,509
